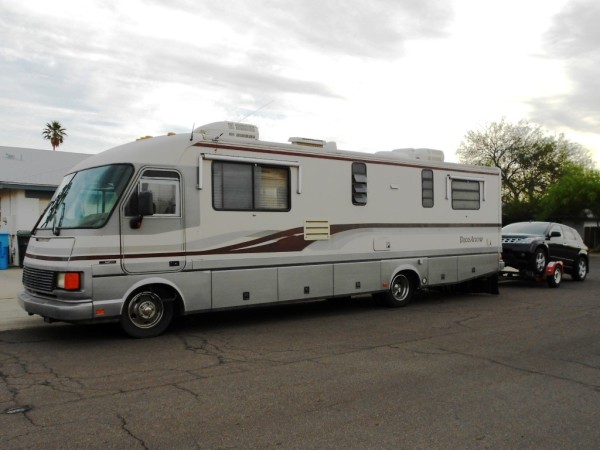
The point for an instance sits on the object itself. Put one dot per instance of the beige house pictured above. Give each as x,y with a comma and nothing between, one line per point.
28,178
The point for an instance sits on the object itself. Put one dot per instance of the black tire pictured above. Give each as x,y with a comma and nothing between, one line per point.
539,260
146,314
401,291
580,270
556,277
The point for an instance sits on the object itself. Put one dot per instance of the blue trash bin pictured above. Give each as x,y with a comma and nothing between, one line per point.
4,240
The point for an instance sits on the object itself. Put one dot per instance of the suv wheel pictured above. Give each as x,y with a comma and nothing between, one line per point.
580,270
539,260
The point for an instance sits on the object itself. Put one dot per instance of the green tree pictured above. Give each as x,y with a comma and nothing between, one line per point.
530,160
55,133
575,195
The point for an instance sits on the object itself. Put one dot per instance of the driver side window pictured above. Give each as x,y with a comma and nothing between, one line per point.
556,229
166,193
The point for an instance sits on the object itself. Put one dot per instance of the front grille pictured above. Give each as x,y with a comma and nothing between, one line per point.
511,240
38,279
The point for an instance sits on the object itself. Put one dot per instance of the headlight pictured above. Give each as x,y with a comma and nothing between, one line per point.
528,240
69,281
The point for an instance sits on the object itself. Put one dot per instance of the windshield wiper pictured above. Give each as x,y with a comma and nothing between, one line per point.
52,209
56,228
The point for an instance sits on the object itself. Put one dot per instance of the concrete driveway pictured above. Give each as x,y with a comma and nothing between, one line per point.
12,316
474,371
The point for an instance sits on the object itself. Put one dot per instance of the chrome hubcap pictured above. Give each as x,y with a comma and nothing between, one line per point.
400,288
540,262
145,310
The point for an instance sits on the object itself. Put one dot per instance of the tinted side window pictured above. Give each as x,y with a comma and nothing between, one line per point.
232,186
166,193
569,234
556,229
465,194
250,187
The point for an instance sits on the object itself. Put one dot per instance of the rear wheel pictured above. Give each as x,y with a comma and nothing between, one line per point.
401,291
146,314
580,270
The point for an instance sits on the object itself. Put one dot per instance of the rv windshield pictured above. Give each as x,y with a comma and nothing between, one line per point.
86,199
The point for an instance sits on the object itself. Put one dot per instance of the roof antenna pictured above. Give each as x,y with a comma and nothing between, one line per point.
255,111
192,133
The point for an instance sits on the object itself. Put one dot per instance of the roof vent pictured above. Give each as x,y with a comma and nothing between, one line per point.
315,143
223,130
306,142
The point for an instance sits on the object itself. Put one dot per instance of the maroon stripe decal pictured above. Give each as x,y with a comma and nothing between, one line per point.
291,240
47,258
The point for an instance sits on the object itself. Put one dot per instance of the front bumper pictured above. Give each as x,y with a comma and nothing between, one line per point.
61,310
517,256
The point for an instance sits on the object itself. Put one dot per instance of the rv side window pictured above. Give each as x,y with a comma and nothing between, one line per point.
427,188
465,194
165,189
359,184
250,187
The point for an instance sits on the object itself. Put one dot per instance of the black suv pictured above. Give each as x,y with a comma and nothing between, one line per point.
530,246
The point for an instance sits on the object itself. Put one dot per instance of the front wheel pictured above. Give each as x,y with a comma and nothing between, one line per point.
400,293
580,271
539,260
146,314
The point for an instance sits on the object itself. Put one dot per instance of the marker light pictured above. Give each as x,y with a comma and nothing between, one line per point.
69,281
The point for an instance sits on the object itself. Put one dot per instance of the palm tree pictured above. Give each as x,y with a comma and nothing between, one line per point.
55,133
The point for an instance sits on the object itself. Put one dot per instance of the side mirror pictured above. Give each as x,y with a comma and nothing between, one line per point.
145,203
555,234
144,207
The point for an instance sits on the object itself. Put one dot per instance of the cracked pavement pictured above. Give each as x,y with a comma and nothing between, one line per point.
518,370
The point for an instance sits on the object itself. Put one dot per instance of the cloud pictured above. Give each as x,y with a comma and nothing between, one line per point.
335,27
111,70
573,38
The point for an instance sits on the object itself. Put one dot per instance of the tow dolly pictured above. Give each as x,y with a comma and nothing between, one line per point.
553,274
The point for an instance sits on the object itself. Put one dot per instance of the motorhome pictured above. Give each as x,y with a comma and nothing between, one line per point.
219,219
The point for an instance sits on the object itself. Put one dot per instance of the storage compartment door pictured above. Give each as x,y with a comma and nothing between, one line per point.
244,287
443,270
357,278
305,282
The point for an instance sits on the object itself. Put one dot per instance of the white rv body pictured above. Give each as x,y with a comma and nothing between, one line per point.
237,221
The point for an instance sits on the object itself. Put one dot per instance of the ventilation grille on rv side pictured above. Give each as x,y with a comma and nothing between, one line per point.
316,230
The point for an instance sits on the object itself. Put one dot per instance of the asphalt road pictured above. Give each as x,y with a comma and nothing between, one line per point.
518,370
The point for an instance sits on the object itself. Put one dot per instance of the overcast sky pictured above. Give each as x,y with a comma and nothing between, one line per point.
369,74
